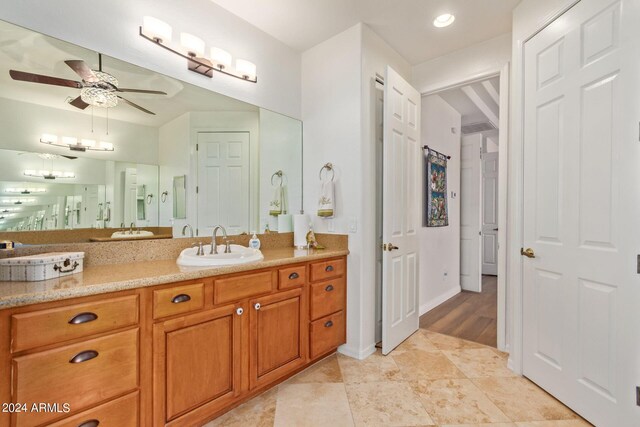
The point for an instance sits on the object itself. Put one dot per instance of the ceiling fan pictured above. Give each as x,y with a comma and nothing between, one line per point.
97,88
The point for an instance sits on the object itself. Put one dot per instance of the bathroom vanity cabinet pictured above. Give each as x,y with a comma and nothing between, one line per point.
177,354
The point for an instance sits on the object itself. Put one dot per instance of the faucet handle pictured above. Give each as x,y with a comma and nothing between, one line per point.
227,245
200,248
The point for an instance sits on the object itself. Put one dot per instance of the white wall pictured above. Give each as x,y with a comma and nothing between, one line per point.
465,64
440,246
338,111
280,149
23,123
112,28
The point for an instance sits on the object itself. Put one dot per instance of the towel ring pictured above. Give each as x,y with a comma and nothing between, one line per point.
279,174
329,167
149,198
163,196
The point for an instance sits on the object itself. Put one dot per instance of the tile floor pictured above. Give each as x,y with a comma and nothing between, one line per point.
430,379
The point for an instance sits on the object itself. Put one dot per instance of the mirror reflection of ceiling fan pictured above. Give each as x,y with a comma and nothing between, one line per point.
97,88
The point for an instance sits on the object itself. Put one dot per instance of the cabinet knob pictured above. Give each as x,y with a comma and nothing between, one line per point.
329,288
257,306
239,311
181,298
90,423
84,356
329,268
328,324
81,318
293,276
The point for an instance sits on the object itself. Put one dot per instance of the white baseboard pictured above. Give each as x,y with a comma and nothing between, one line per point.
430,305
355,353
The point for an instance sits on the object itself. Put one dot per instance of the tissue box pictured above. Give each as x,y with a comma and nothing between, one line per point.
47,266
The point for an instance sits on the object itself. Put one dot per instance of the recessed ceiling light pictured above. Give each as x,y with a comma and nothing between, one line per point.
444,20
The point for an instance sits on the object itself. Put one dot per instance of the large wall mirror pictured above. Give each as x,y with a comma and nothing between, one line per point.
92,142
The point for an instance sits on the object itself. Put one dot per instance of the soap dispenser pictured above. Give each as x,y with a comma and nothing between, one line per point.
254,243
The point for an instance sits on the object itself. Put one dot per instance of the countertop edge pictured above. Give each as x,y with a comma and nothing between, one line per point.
20,300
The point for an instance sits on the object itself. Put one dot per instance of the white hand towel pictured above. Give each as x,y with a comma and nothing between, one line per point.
278,204
326,203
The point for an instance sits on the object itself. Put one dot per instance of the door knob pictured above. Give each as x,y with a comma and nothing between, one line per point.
257,306
527,252
389,247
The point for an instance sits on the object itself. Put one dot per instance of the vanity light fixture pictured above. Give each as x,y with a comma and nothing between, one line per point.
46,174
192,48
75,144
25,190
17,201
444,20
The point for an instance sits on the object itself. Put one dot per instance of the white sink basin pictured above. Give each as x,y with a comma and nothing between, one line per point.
128,235
239,255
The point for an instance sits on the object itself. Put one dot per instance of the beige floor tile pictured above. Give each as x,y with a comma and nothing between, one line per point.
426,365
521,400
386,404
259,412
480,425
325,371
312,404
374,368
457,401
479,362
445,342
561,423
417,341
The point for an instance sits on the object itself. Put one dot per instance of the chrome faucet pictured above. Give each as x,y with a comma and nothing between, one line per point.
200,251
185,228
214,247
133,224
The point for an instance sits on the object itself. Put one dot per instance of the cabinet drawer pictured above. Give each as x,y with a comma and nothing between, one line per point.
327,333
80,374
119,412
240,287
327,297
292,277
327,269
177,300
56,325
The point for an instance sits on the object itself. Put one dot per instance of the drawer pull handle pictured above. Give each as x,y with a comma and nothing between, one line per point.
329,268
329,288
328,324
181,298
293,276
84,356
90,423
83,318
257,306
239,311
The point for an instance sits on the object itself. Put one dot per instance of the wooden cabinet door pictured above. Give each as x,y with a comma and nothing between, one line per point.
197,368
278,337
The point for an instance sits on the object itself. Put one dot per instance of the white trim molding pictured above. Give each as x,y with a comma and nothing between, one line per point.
430,305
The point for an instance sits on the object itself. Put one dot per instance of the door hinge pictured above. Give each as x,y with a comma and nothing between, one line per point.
638,263
197,189
638,395
197,147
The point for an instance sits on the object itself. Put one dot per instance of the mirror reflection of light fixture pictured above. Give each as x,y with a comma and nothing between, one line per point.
25,190
46,174
159,32
75,144
16,201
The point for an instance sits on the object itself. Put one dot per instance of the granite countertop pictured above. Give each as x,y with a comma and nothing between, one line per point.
101,279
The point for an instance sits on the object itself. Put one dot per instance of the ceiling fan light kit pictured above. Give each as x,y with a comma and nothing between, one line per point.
159,33
75,144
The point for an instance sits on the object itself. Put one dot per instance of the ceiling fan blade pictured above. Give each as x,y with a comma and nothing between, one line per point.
136,106
79,103
152,92
69,157
82,69
47,80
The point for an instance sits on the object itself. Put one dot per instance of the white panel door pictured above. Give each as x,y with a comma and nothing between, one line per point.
470,213
402,154
580,297
490,168
223,181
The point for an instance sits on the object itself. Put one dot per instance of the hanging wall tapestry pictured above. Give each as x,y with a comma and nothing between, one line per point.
437,214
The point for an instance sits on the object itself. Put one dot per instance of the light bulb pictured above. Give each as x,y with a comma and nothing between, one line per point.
194,45
88,143
444,20
48,138
220,58
246,69
156,29
69,140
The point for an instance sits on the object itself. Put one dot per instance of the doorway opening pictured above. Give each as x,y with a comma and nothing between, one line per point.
463,266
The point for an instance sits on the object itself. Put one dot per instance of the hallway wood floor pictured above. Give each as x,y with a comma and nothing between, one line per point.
469,315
